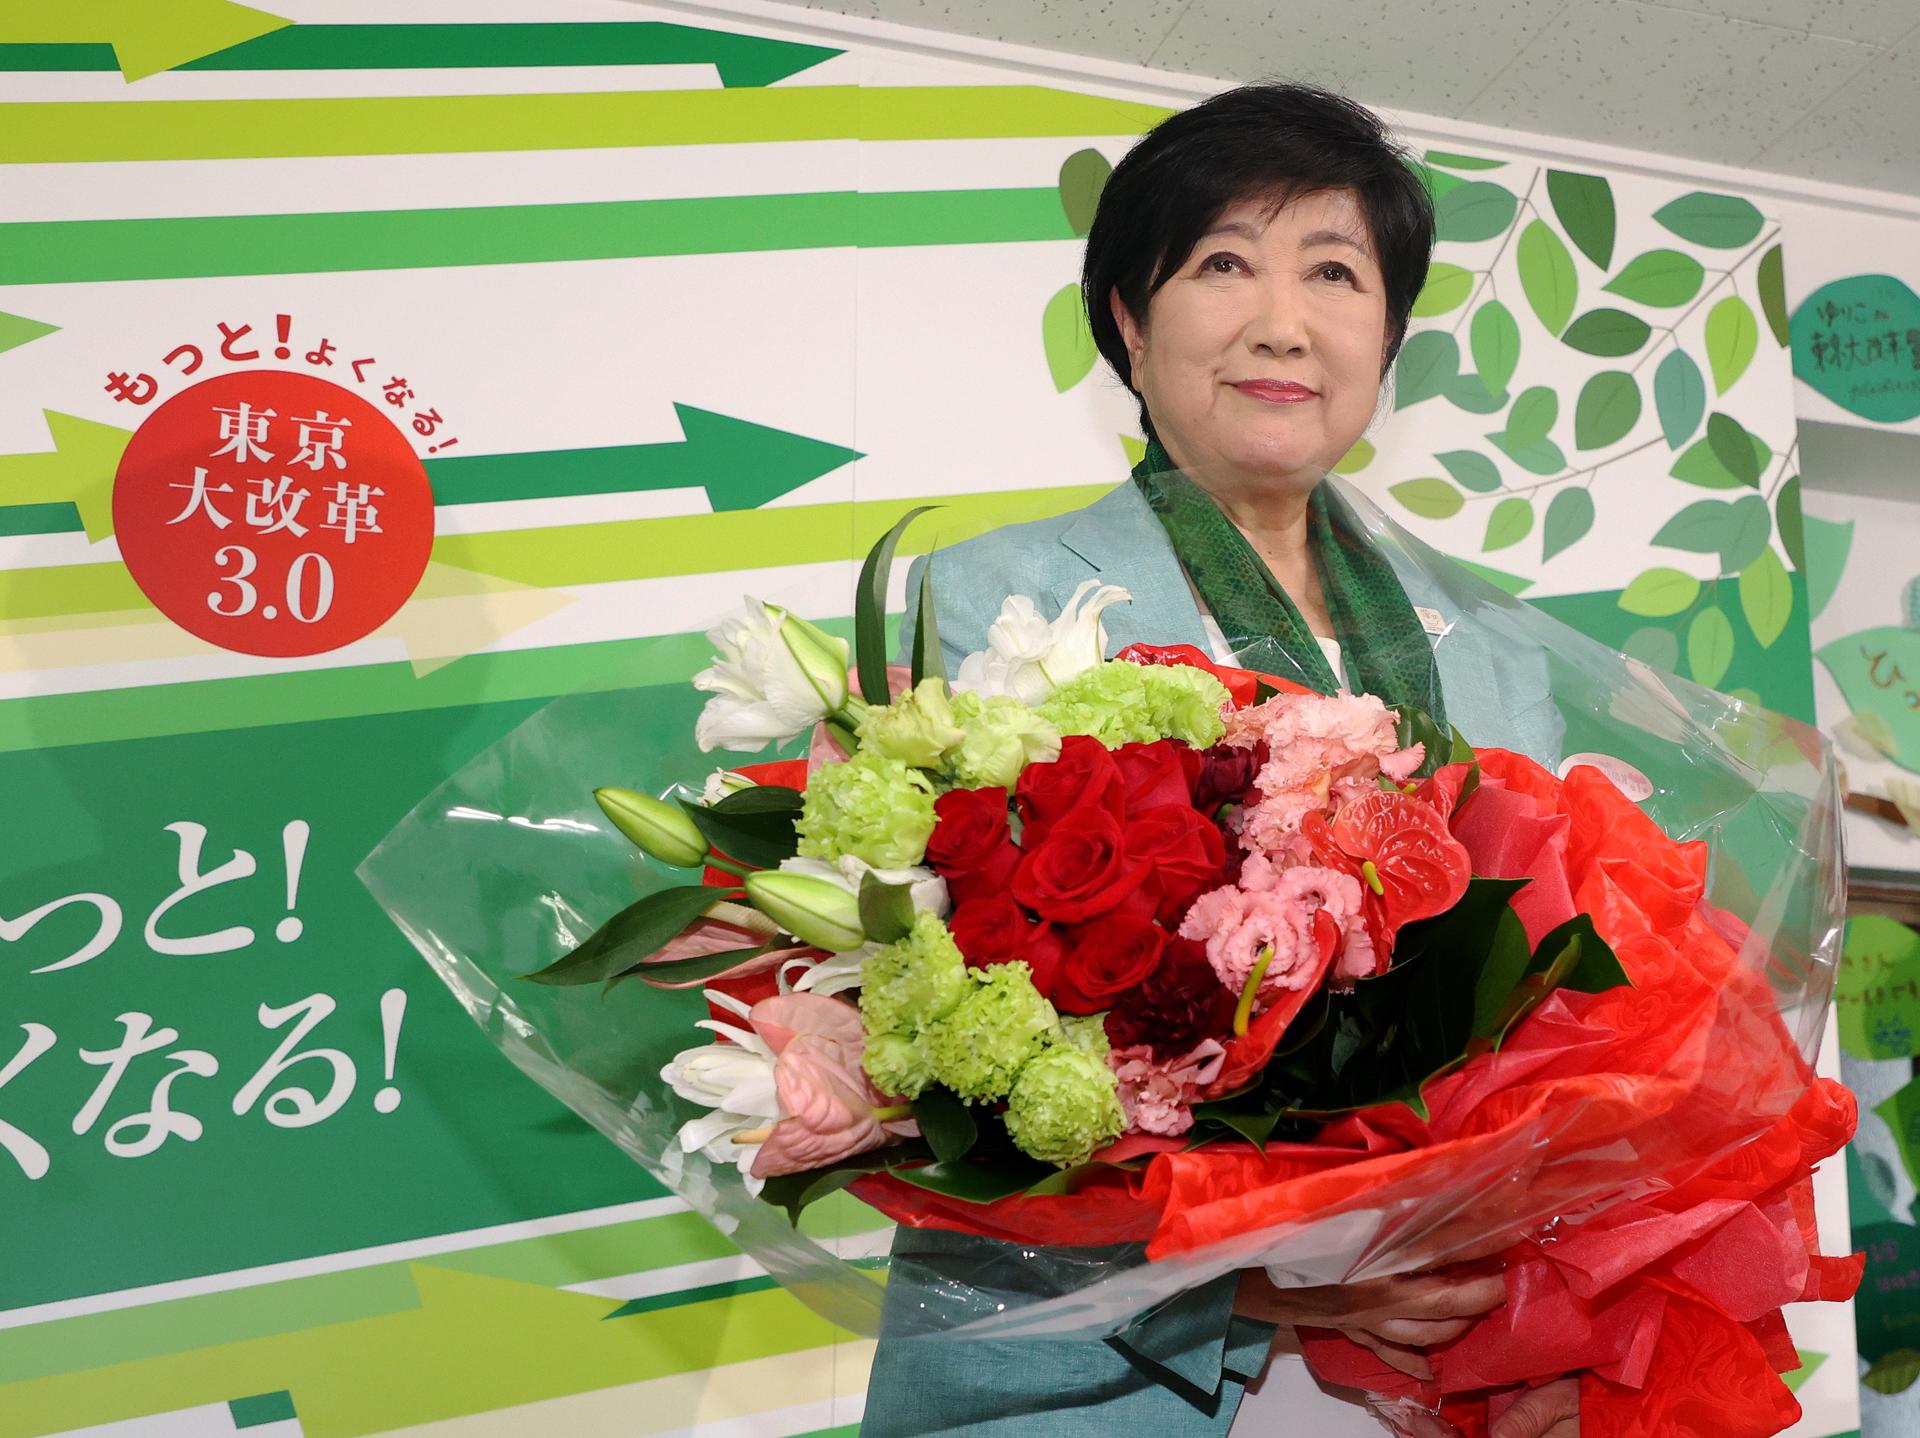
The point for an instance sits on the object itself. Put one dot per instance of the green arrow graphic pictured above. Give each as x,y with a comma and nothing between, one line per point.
447,124
146,38
741,465
742,60
79,251
603,553
473,1345
78,470
17,330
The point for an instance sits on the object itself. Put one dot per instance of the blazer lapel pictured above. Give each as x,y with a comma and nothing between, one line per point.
1120,539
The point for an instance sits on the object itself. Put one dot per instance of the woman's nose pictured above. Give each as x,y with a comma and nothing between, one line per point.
1279,324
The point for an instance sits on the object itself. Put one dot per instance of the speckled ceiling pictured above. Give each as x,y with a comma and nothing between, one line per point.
1820,89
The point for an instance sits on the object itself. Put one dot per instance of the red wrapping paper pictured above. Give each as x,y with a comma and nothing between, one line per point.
1644,1156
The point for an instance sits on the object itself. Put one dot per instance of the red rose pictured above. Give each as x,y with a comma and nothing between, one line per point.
971,846
1186,854
1109,956
992,929
1083,776
989,929
1155,774
1044,952
1081,869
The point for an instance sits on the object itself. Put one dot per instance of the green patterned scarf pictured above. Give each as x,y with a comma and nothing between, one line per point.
1381,638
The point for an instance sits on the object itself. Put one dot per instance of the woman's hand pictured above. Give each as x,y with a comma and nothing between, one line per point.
1395,1317
1550,1411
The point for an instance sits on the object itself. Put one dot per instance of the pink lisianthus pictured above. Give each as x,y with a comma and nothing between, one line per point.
1158,1096
1323,750
1237,924
1357,958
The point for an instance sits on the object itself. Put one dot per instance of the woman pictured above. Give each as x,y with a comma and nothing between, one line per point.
1249,276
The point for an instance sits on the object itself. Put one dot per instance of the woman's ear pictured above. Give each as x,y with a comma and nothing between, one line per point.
1130,332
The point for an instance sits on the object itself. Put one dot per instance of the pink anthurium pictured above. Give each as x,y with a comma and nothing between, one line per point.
830,1109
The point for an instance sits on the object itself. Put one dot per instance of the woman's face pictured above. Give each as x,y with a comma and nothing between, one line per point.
1260,359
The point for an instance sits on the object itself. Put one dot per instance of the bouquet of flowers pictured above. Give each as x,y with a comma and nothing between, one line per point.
1185,963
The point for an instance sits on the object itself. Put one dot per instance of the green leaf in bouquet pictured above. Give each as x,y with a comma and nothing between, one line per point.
1395,1032
794,1191
886,910
979,1180
753,825
1417,727
946,1123
870,610
1507,964
631,934
1573,956
929,660
688,970
1584,961
1255,1125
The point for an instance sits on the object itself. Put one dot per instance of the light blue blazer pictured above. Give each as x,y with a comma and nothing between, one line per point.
1180,1371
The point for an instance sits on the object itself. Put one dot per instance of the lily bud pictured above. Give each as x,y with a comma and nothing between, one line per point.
821,657
657,827
815,911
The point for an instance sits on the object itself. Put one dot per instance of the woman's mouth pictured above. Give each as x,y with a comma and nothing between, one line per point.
1275,391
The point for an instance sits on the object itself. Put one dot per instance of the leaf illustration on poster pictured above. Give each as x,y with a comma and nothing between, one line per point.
1878,671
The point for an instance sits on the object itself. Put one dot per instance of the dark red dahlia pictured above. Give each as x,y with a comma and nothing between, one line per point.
1226,775
1173,1008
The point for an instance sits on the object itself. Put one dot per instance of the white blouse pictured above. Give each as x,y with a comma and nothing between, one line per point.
1223,652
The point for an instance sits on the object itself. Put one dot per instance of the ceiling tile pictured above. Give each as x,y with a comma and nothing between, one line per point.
1126,30
1428,58
1672,81
1864,135
1879,21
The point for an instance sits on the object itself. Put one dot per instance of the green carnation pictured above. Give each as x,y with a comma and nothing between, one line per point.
908,984
1002,737
897,1064
979,1047
917,728
871,807
1064,1105
1121,703
1088,1034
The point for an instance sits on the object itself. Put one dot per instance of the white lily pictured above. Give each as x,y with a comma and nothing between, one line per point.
1028,658
832,975
774,676
722,782
735,1080
929,891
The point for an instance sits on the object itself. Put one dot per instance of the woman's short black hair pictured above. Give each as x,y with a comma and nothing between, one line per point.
1270,142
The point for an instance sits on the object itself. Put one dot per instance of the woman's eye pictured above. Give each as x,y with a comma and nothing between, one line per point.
1219,264
1338,270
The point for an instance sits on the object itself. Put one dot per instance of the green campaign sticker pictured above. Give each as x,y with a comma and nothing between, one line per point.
1878,671
1878,996
1857,341
1887,1307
